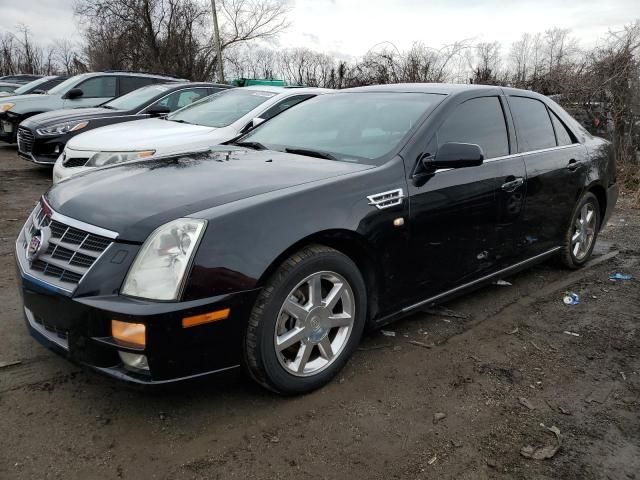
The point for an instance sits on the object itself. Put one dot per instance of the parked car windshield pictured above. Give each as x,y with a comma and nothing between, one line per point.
66,85
356,127
137,98
29,86
221,109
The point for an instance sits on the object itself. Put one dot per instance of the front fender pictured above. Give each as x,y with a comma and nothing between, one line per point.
245,239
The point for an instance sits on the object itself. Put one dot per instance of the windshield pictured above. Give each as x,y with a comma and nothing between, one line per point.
355,127
29,86
66,85
8,88
221,109
137,98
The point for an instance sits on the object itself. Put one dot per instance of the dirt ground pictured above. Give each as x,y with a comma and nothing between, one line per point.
499,364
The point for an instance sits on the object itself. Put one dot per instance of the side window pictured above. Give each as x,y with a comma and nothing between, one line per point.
99,87
182,98
562,134
284,105
129,84
480,121
533,124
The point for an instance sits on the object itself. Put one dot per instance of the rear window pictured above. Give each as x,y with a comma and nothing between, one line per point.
533,125
562,134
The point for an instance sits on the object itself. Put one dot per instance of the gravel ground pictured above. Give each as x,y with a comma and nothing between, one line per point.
489,375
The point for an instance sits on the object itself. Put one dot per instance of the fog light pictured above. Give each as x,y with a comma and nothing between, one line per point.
134,360
129,333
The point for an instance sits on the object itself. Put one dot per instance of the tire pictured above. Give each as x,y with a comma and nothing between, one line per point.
572,256
290,322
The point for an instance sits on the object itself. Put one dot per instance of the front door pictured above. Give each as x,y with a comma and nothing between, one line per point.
95,91
455,212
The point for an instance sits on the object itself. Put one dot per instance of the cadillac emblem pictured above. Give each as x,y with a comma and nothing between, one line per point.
35,244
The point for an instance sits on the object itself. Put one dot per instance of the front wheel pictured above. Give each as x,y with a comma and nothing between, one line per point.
307,321
581,235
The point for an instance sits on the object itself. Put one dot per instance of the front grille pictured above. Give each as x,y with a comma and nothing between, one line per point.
66,252
75,162
25,140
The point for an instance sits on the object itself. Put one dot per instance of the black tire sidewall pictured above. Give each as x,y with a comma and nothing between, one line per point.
278,378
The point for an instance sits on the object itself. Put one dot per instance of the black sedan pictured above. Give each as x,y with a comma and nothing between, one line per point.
274,253
42,138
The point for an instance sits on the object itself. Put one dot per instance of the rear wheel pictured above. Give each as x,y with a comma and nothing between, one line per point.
581,235
307,321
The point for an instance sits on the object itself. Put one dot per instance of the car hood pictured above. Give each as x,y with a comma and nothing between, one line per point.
135,198
26,99
69,115
140,135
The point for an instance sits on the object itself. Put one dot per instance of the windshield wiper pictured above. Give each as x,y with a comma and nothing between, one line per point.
179,121
108,106
252,145
310,153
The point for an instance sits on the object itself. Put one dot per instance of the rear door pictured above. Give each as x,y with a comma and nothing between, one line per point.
128,83
455,212
555,164
95,90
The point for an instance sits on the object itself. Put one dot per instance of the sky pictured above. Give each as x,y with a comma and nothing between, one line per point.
352,27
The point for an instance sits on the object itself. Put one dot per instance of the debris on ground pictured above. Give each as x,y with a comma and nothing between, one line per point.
492,463
422,344
624,377
620,276
10,364
515,330
573,334
526,403
571,299
456,443
445,312
536,346
546,452
439,416
432,460
502,283
388,333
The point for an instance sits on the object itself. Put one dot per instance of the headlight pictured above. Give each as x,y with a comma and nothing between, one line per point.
6,106
158,271
60,128
110,158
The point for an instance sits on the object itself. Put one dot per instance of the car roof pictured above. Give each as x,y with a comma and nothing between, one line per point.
288,90
183,84
441,88
11,84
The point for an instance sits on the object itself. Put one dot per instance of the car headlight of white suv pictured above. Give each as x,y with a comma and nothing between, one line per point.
111,158
158,271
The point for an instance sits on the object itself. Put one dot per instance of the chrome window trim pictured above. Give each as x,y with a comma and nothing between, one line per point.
521,154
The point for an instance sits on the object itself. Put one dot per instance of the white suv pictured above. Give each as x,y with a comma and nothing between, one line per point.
210,121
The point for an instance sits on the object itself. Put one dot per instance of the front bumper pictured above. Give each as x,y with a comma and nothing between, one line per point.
80,329
39,149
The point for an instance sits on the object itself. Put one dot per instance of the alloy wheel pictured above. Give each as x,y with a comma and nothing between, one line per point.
314,323
584,231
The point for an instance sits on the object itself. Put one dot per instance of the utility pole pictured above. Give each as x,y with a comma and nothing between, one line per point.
216,39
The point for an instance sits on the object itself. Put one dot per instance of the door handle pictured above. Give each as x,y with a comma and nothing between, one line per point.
513,184
573,165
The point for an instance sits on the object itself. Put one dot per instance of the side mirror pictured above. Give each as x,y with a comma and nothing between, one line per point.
74,93
157,110
455,155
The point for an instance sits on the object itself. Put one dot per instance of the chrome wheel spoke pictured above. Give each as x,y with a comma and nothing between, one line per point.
290,338
576,249
295,310
589,216
315,291
326,350
302,358
333,296
340,320
576,237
